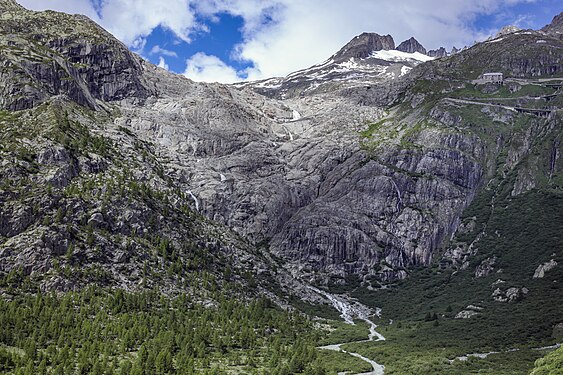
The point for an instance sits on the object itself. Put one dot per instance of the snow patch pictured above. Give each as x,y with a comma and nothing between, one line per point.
350,64
314,67
394,55
405,70
494,40
272,83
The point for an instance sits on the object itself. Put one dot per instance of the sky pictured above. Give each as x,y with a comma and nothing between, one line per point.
234,40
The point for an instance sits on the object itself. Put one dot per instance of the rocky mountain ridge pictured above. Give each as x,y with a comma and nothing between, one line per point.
10,5
363,45
368,58
555,27
333,183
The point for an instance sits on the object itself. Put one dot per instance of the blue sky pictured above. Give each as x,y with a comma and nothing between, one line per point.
223,34
232,40
525,15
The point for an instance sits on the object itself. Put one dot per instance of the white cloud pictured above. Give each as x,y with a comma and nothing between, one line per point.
162,63
68,6
281,36
157,50
130,20
307,32
208,68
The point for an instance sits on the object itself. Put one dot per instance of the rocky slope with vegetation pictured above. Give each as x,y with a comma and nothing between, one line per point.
485,302
90,210
80,192
371,194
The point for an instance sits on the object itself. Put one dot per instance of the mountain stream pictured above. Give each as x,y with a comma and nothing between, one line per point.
349,310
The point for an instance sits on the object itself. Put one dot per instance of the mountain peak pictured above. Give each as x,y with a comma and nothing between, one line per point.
9,5
556,25
363,45
507,30
411,45
440,52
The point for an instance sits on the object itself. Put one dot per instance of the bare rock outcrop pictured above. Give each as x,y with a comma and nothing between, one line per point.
364,45
71,55
468,312
509,295
410,46
486,267
543,268
440,52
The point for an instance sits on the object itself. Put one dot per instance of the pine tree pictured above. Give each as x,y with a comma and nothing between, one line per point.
164,362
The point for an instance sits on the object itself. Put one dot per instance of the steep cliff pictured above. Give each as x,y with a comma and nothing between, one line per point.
49,53
367,180
84,199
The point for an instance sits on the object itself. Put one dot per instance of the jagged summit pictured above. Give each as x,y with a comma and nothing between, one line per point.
9,5
507,30
440,52
364,45
367,58
411,46
556,25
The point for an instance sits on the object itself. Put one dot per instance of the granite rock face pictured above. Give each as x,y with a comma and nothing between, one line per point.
293,174
364,45
410,46
543,268
47,53
440,52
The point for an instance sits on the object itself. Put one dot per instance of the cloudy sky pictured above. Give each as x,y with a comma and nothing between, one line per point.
234,40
